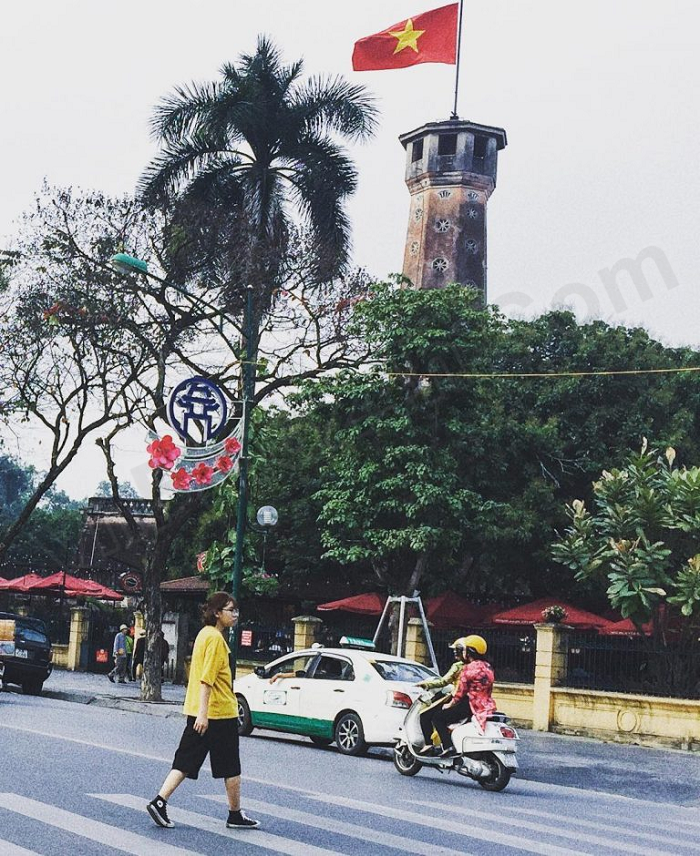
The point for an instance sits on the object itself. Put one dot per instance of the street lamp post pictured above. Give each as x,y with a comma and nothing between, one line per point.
129,264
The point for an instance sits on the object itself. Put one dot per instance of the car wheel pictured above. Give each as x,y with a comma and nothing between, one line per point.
350,735
320,741
33,687
245,721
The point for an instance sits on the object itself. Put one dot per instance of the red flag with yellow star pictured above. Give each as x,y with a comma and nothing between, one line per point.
430,37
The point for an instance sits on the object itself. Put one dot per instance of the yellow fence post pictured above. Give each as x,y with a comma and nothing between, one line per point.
77,635
416,647
307,629
550,670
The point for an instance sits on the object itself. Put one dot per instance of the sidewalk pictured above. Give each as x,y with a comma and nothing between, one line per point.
88,688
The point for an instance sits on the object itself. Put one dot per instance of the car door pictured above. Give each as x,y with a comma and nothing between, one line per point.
277,704
329,689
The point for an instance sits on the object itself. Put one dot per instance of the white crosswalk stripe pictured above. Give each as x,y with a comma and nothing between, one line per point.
663,837
94,830
465,827
340,827
556,828
7,848
252,837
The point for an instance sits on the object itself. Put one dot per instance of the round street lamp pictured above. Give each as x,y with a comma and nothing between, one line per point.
267,516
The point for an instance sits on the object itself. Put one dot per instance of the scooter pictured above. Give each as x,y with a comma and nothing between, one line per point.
488,758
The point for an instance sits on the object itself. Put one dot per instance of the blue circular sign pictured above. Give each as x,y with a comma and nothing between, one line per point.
197,406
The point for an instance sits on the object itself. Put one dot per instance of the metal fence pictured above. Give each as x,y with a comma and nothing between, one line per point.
511,651
632,664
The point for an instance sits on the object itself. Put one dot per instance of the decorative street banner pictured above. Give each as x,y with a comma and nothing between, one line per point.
197,411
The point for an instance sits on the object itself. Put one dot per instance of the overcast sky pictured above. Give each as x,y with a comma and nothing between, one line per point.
599,101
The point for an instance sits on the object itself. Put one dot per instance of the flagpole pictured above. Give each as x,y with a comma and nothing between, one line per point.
459,49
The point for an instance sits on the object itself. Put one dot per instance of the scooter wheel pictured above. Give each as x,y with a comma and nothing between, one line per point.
500,775
404,762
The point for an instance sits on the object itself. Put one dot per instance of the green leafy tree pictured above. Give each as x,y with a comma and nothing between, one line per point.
642,537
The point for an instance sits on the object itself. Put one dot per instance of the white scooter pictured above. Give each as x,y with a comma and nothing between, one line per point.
488,758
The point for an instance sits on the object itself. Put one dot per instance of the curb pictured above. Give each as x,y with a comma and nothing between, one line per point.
130,705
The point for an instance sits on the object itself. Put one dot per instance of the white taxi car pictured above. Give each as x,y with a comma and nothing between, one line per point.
356,698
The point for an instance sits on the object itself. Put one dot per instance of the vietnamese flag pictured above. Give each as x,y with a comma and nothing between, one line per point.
430,37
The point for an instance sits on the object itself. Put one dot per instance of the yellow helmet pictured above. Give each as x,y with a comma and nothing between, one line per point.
458,643
476,643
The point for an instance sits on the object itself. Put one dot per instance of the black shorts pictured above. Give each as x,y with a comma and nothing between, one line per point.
219,741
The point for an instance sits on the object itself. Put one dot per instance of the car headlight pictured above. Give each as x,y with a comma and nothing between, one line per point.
398,699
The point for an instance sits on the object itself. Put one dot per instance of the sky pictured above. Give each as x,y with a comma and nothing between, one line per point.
598,100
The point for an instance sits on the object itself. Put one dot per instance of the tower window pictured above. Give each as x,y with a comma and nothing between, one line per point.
444,194
417,151
447,144
442,225
439,265
481,146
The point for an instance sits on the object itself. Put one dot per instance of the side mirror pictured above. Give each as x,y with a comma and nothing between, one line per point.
300,673
259,671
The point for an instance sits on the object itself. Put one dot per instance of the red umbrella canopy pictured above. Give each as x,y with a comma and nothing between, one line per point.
625,628
452,610
23,584
3,583
75,587
364,604
531,613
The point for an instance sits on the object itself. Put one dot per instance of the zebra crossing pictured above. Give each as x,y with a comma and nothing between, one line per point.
307,822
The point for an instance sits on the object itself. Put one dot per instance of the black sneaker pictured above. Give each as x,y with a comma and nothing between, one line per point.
449,753
158,809
110,678
238,820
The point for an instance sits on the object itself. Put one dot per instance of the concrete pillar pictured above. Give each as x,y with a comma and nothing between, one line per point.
550,670
139,623
416,647
307,629
79,629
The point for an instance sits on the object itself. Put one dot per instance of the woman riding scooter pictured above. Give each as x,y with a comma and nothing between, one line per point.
473,695
451,676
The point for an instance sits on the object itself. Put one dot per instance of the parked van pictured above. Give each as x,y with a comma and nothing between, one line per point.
25,652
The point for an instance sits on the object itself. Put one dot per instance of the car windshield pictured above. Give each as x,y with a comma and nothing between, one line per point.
411,673
31,630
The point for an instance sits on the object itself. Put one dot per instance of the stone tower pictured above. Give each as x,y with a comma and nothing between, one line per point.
450,173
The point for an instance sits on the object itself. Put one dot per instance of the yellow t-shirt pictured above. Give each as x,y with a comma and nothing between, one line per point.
210,665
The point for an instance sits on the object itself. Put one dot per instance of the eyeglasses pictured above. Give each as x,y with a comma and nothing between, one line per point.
231,610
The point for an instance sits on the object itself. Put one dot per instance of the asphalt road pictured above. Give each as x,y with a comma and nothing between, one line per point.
75,779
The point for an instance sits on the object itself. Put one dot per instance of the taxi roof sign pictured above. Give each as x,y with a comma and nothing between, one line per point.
357,642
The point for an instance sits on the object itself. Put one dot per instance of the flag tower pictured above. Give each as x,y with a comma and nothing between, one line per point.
450,173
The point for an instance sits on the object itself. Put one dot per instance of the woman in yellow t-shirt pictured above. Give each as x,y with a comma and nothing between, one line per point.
212,717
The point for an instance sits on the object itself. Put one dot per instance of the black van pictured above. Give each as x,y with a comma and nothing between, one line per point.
28,657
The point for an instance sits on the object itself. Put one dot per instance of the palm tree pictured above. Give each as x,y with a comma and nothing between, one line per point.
239,155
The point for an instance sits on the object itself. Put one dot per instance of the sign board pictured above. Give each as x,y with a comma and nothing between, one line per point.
101,656
246,638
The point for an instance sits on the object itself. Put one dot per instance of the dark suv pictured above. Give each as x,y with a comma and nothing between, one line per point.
27,658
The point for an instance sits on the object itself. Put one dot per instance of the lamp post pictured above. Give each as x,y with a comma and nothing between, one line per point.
130,264
267,518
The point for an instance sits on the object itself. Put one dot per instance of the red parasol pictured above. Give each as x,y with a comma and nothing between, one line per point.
73,587
23,584
364,604
531,613
452,610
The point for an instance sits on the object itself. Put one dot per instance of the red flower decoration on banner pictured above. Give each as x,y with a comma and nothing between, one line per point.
163,453
224,464
202,473
232,446
181,479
